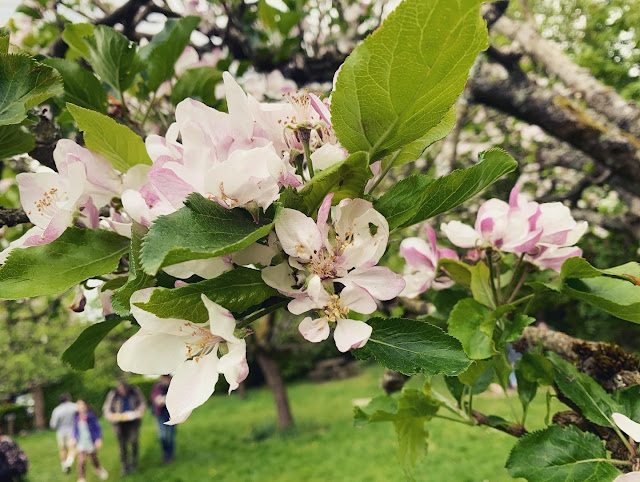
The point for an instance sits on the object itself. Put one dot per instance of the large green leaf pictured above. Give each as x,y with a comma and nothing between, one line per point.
74,36
412,346
199,83
346,179
202,229
558,454
473,324
137,279
123,147
75,256
160,55
237,290
613,290
594,402
81,87
14,140
408,413
24,83
5,35
113,57
403,79
419,197
81,354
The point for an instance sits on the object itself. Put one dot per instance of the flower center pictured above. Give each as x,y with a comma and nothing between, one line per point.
323,264
334,309
47,205
203,343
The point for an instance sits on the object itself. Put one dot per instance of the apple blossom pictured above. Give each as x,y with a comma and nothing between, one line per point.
422,264
348,333
628,426
190,350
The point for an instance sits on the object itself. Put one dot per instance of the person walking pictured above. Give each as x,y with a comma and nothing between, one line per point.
166,433
124,408
87,439
62,422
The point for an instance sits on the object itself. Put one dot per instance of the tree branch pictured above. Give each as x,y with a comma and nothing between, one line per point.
12,217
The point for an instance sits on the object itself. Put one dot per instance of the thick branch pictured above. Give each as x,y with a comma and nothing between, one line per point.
526,100
12,217
601,98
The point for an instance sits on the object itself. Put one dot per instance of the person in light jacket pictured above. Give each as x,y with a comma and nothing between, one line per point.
62,422
87,439
124,408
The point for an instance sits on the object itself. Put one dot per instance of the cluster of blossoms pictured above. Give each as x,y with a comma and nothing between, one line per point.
332,269
544,234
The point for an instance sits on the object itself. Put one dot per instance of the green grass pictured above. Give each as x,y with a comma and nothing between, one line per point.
229,439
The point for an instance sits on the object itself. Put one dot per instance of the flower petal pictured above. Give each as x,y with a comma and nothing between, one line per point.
628,426
351,334
298,234
314,330
152,353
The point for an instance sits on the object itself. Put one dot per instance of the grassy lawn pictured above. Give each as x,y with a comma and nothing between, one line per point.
229,439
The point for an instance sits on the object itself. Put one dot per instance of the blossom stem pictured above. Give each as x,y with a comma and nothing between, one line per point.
260,313
492,281
444,417
305,138
146,114
385,172
517,270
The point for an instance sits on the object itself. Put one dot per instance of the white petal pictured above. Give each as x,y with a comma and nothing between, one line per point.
149,353
351,334
326,156
358,299
314,330
298,234
205,268
234,365
221,321
281,278
628,426
462,235
192,385
379,281
151,322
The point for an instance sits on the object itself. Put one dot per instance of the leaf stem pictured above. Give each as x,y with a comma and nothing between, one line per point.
260,313
458,420
305,138
151,105
385,172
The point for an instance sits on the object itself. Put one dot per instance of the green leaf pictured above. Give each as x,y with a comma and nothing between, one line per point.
411,346
514,328
5,35
138,279
81,354
613,290
536,368
77,255
481,284
526,388
473,325
24,83
160,55
559,454
405,77
408,413
456,270
123,147
202,229
237,290
345,179
629,400
81,87
479,375
594,402
112,57
414,151
74,35
199,83
14,140
419,197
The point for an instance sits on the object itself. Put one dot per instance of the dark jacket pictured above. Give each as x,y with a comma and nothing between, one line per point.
159,410
114,404
92,422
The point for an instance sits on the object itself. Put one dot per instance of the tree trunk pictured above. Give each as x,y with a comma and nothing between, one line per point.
38,407
274,380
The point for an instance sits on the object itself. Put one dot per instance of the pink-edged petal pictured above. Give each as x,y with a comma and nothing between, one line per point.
298,234
221,321
192,385
314,330
58,225
320,108
152,353
174,189
379,281
234,365
417,283
462,235
358,299
351,334
323,212
418,254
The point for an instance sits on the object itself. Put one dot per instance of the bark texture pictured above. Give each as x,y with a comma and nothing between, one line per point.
275,382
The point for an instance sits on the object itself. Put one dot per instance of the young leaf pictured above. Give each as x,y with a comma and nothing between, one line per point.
473,325
456,270
558,454
411,346
419,197
77,255
614,290
137,279
596,404
237,290
5,35
202,229
81,87
536,368
123,147
113,57
14,140
24,83
81,354
526,388
199,83
160,55
345,179
481,284
74,35
390,89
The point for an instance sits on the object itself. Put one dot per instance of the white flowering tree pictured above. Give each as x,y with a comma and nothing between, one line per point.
229,208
